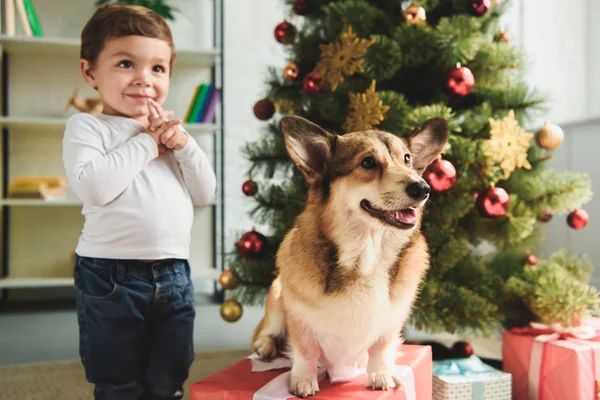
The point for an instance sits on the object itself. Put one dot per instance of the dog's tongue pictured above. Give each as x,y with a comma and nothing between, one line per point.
407,216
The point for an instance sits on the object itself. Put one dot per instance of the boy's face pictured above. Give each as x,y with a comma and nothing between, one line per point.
128,71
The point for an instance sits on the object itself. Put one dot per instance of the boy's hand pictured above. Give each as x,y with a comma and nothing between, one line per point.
170,136
158,123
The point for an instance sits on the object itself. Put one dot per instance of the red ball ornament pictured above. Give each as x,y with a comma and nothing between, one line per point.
440,175
462,350
578,219
493,202
301,7
251,244
264,109
479,7
531,259
249,187
285,32
460,81
313,83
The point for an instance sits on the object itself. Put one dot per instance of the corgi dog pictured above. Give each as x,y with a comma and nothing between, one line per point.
349,269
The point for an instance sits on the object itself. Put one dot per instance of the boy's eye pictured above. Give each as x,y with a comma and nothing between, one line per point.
125,64
159,68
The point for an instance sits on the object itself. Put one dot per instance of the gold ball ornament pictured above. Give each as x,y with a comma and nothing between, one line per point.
291,72
550,136
231,310
414,14
228,279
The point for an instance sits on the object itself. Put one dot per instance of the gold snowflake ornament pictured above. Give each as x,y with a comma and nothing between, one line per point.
508,144
342,58
366,110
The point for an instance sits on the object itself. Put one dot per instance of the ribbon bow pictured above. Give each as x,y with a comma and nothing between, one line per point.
584,331
462,366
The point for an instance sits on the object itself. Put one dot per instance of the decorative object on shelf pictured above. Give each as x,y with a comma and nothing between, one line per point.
251,244
161,7
479,7
263,109
578,219
228,279
546,215
550,136
462,349
89,105
508,144
51,188
313,83
342,58
440,175
231,310
414,14
493,202
250,188
366,110
291,72
285,33
302,7
502,37
531,259
460,81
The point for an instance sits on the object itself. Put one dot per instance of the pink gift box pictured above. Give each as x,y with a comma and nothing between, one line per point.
239,382
550,367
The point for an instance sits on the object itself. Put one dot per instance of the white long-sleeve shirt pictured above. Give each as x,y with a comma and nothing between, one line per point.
137,202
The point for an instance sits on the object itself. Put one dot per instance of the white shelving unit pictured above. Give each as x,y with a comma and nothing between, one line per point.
15,126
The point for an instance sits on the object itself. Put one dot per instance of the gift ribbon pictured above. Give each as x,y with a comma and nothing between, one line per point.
469,370
278,388
546,334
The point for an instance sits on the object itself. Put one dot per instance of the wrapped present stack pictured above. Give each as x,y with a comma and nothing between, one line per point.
554,352
554,362
51,188
469,379
253,379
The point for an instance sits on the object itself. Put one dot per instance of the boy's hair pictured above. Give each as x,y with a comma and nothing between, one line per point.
114,20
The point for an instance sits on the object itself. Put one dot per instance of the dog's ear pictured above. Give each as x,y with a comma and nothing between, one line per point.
427,141
308,145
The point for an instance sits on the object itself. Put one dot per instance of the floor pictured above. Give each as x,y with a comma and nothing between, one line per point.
51,335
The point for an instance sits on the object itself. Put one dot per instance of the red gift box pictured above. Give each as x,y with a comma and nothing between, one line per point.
548,365
239,382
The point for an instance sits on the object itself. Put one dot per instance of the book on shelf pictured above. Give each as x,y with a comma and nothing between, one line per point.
203,104
27,15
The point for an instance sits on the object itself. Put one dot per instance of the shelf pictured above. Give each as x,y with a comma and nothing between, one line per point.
56,123
55,203
47,46
23,283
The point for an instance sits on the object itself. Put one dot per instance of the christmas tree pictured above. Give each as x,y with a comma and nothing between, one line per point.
388,65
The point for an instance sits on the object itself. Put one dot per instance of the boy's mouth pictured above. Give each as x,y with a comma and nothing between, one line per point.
403,219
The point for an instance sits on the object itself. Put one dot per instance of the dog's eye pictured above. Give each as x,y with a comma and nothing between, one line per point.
407,159
368,163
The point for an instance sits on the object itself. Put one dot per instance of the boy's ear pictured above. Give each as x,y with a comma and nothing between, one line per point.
308,145
87,73
427,141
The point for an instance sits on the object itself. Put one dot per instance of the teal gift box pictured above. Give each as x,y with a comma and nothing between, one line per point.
469,379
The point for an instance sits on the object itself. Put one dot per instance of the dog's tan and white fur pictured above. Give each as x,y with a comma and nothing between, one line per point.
351,266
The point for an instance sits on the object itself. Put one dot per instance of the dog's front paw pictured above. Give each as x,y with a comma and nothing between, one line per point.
265,347
303,387
383,381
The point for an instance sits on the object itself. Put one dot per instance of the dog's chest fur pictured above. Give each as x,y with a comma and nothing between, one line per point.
357,307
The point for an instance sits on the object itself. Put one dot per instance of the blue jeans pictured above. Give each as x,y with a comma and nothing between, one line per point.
136,322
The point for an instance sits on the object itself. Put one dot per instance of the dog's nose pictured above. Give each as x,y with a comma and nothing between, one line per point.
418,190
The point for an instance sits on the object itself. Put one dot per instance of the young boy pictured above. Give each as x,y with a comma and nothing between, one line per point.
138,175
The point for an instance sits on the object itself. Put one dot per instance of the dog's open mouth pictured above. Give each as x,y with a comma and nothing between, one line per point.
403,219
